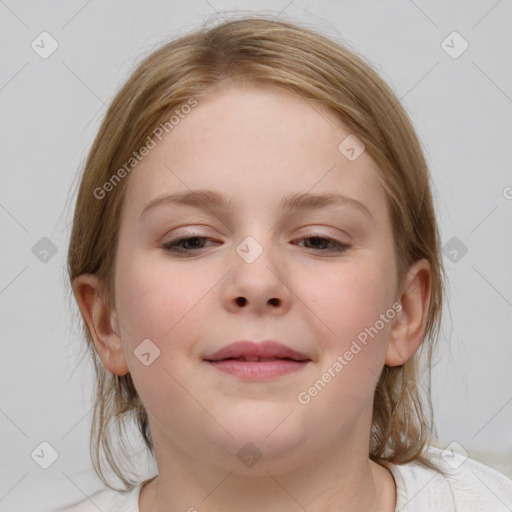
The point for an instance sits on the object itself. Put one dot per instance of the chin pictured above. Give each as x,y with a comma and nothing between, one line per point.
261,445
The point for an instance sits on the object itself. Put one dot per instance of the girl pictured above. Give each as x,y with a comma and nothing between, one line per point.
256,259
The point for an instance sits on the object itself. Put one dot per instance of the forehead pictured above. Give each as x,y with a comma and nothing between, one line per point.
256,144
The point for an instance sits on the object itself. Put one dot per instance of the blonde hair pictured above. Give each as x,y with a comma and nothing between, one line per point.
299,60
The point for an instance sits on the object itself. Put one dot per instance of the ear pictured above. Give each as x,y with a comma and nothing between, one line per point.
410,323
102,323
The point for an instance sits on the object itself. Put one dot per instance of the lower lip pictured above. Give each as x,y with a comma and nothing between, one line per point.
258,370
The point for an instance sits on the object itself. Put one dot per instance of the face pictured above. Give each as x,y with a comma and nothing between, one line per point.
317,277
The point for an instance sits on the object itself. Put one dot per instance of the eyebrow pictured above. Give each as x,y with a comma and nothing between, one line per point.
211,200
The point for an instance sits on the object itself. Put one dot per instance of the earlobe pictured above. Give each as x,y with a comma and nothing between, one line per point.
101,322
409,325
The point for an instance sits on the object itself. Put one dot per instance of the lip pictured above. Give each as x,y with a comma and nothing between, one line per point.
248,349
286,360
253,370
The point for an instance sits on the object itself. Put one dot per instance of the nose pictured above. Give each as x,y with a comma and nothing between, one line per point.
258,282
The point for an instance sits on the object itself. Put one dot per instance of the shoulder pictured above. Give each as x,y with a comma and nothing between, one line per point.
466,485
108,500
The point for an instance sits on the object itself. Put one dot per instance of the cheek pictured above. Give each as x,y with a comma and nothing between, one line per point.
158,300
346,299
162,303
351,309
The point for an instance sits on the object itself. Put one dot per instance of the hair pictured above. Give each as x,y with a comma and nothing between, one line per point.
297,59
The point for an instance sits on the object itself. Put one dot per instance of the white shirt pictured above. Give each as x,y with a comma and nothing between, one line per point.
469,487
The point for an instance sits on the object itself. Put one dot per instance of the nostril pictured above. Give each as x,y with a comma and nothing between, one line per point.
241,301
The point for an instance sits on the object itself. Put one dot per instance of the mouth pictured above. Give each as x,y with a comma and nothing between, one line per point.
253,351
257,361
258,368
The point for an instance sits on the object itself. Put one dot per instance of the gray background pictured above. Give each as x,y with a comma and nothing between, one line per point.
51,109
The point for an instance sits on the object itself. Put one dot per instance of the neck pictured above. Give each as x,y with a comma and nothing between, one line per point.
341,480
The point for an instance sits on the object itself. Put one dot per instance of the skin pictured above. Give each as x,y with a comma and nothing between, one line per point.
256,145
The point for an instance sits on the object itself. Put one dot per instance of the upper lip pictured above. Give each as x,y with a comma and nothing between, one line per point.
268,348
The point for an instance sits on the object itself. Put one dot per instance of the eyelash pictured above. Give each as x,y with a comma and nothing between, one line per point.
173,245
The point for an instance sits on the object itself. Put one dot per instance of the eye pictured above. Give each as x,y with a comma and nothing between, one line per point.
186,244
320,242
